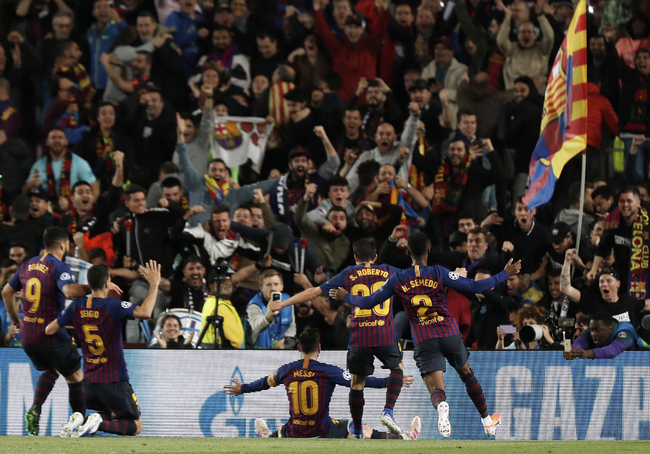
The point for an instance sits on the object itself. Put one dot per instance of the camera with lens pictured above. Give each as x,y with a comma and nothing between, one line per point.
219,271
556,328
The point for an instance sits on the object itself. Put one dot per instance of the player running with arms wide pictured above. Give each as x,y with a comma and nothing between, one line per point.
98,320
435,332
46,282
310,384
372,333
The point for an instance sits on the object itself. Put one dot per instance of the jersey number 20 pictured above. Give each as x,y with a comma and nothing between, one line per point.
380,310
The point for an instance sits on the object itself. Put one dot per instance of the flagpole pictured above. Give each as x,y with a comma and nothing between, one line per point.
582,196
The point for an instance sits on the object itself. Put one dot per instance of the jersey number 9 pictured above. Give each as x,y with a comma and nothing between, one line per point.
33,294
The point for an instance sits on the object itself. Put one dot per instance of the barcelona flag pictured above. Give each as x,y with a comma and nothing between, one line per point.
564,121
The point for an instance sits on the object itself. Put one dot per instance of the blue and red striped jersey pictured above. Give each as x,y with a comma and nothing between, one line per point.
369,327
309,386
42,280
422,291
98,323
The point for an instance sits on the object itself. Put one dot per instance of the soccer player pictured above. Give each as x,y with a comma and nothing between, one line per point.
371,331
46,282
435,332
309,384
97,320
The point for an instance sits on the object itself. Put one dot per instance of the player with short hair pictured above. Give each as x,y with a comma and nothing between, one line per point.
47,281
97,320
435,332
372,333
310,384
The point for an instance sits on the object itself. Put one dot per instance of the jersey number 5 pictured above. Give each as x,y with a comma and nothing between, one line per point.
304,397
95,343
380,310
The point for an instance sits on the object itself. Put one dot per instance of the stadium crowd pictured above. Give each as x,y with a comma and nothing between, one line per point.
384,118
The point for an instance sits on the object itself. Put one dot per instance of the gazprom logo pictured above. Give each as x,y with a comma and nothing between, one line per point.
216,406
236,402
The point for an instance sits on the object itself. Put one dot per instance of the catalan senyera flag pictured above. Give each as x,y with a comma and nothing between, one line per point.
564,121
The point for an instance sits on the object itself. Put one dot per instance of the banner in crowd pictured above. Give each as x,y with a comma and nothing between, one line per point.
564,120
539,395
238,139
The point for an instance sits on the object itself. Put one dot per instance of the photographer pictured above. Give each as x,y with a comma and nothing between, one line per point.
527,316
231,326
264,328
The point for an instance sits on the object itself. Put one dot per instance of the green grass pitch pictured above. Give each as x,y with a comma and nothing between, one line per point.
100,445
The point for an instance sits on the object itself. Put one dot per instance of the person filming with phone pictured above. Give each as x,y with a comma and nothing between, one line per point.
264,328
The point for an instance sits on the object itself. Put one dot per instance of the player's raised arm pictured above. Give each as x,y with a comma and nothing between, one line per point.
153,278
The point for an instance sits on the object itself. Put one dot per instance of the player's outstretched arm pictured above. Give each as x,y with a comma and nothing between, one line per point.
453,280
233,390
153,278
302,297
261,384
72,291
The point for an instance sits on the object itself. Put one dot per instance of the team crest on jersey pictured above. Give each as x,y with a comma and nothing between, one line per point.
65,277
347,375
453,276
126,304
228,135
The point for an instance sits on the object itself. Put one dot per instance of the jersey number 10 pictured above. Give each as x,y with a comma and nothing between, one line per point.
304,397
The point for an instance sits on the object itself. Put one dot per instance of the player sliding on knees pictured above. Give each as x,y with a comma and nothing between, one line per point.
372,333
435,332
47,281
309,385
97,320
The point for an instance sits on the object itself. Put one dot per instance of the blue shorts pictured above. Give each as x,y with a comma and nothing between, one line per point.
63,358
116,399
430,354
361,359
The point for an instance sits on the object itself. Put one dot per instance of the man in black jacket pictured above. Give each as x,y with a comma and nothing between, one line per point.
489,310
152,125
148,240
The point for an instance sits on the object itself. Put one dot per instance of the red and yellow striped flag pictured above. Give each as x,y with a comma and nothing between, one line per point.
564,123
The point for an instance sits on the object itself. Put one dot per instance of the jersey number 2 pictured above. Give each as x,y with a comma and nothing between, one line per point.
304,397
380,310
424,304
